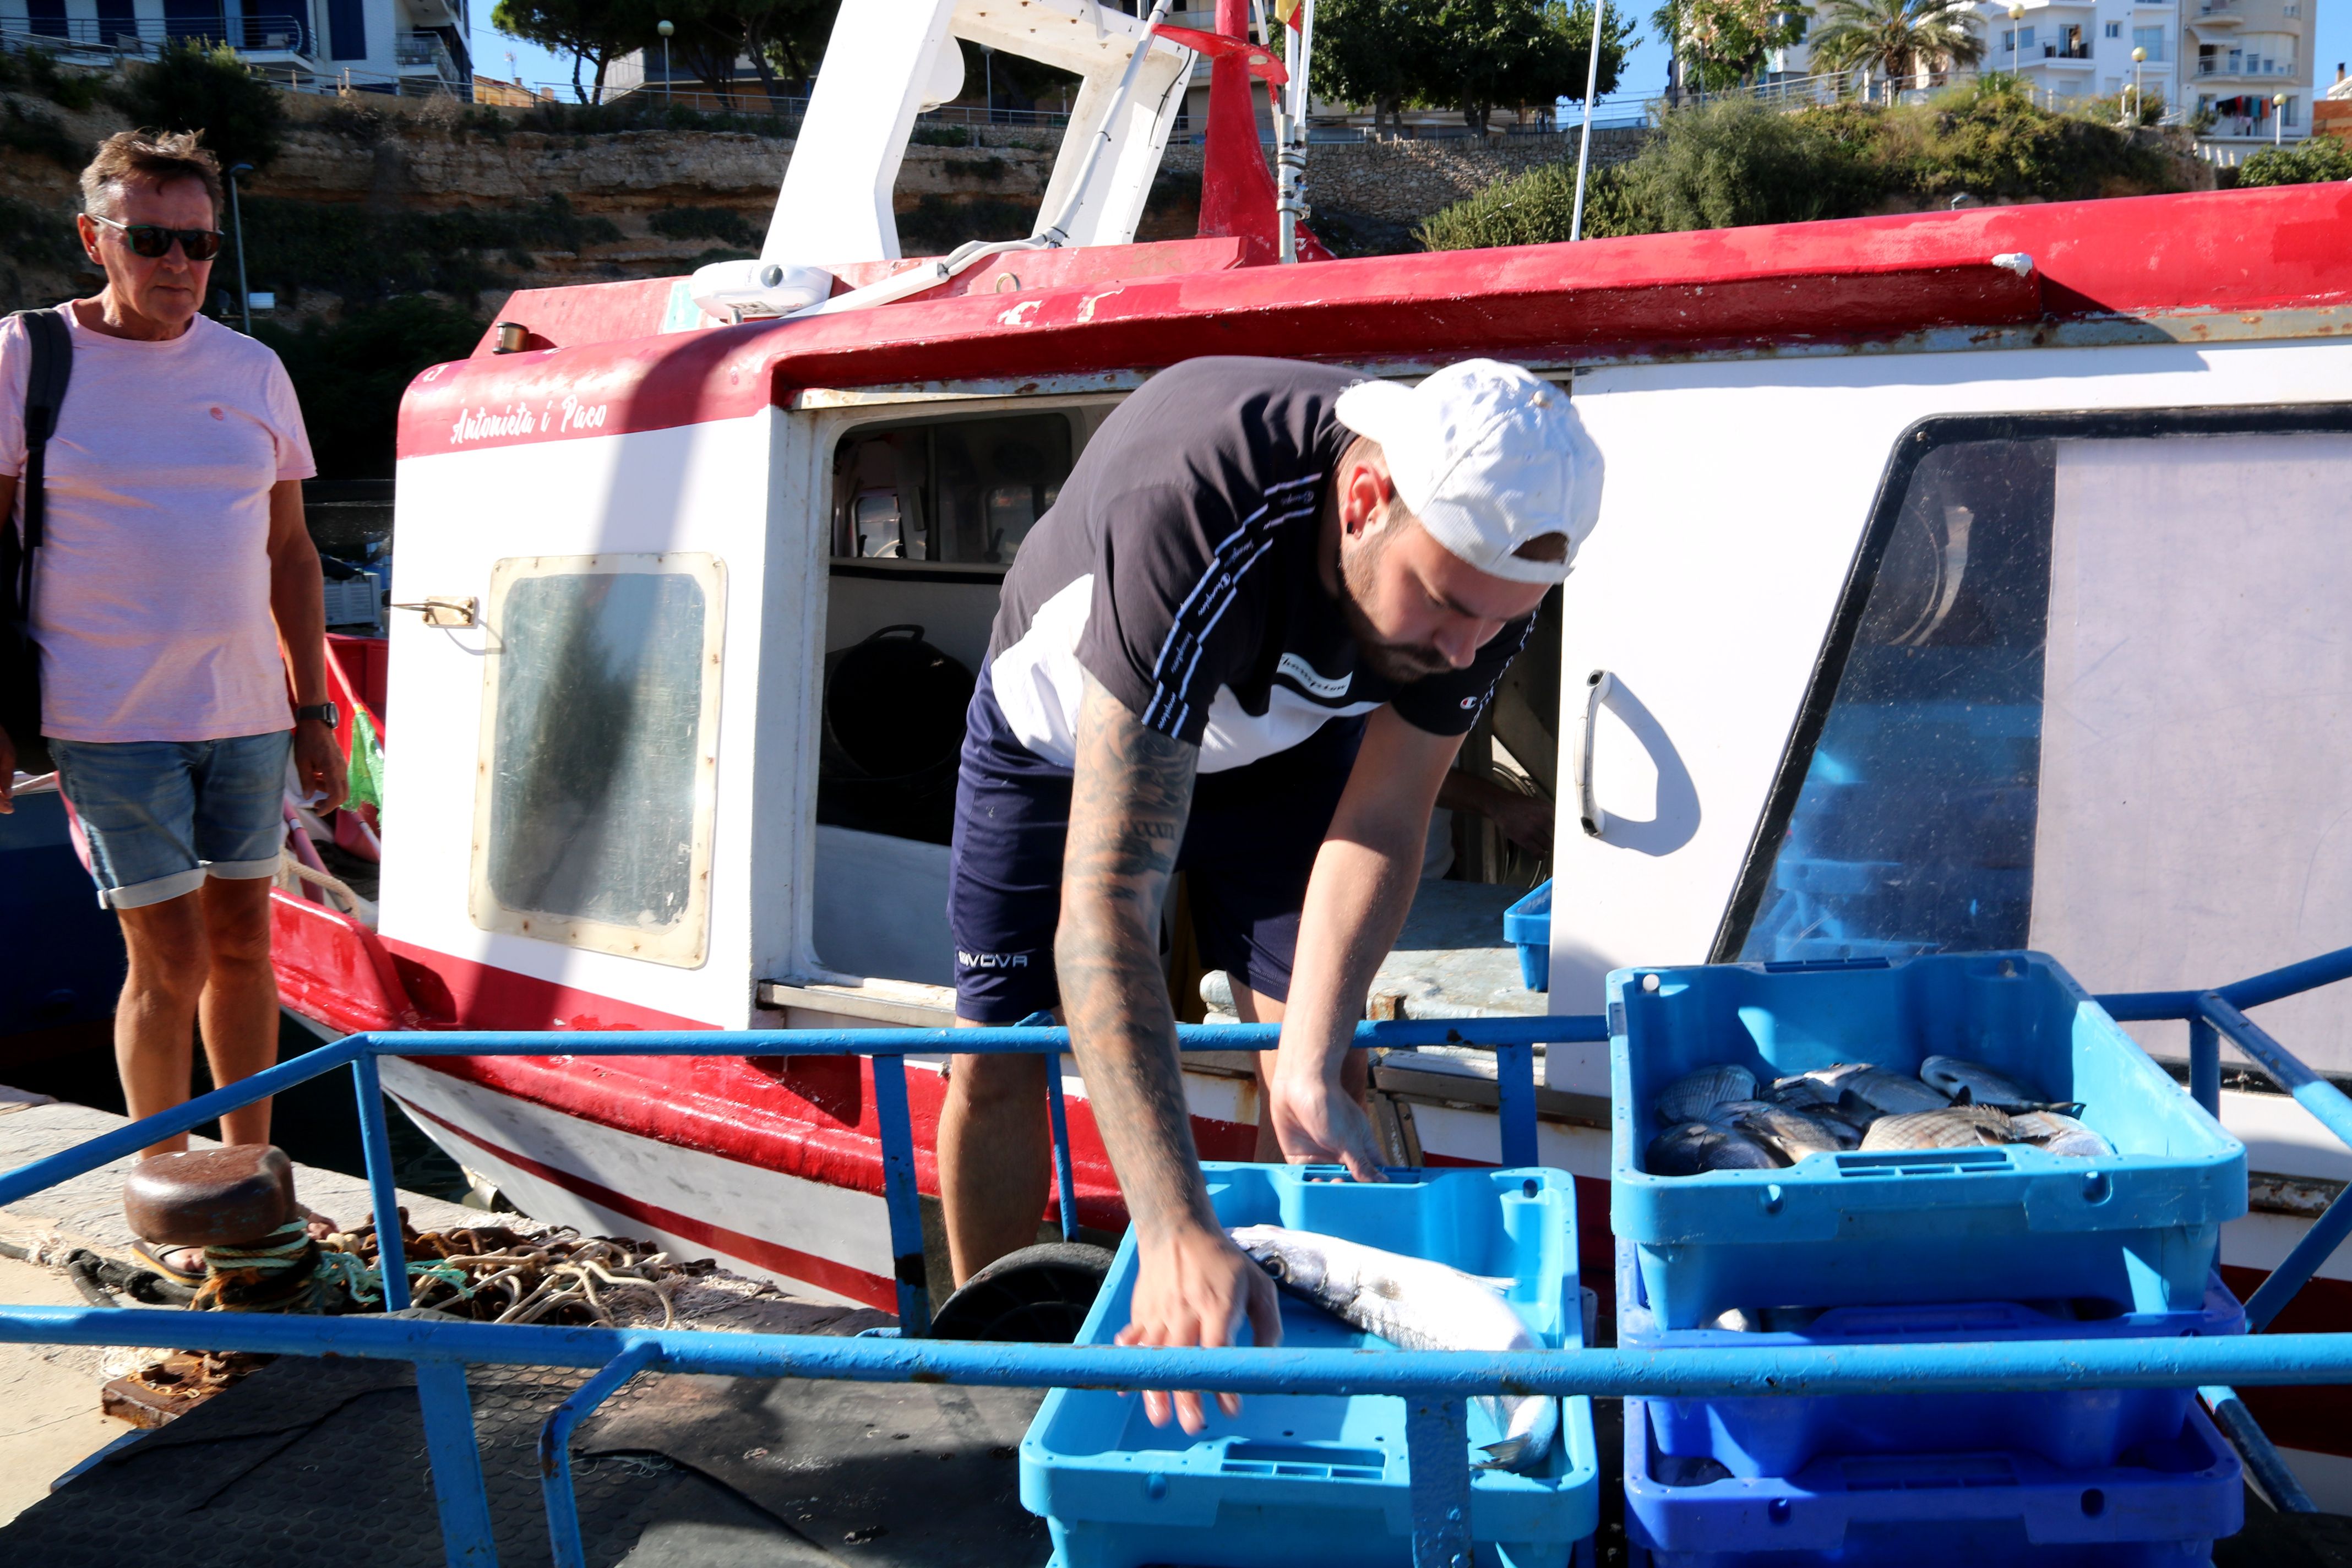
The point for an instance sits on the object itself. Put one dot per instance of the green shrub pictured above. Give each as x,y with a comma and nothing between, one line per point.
369,257
940,135
2305,164
1731,164
350,376
1533,209
1723,165
723,224
190,86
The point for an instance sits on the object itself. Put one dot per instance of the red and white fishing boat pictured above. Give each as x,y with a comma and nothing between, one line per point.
1964,579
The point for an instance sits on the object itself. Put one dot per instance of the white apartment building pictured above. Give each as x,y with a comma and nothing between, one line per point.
2232,58
407,46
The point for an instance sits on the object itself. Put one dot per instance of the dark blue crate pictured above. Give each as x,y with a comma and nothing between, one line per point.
2074,1428
1298,1481
1527,926
2162,1507
2006,1223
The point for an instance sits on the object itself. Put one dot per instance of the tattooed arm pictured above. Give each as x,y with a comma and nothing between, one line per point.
1129,797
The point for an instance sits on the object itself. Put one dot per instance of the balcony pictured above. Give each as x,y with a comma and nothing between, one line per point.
263,39
418,54
2221,13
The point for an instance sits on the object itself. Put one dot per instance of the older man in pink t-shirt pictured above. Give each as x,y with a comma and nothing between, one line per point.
175,561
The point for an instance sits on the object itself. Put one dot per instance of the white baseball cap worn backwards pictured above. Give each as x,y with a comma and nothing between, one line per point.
1489,458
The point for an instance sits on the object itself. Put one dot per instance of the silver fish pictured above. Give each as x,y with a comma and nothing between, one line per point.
1982,1085
1953,1127
1690,1097
1894,1093
1832,1077
1800,1092
1792,1134
2059,1134
1415,1305
1695,1147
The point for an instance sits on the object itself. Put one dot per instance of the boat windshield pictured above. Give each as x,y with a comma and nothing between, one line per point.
2091,693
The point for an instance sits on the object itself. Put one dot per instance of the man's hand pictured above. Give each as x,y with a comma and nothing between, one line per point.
1526,820
318,763
1196,1287
1317,1121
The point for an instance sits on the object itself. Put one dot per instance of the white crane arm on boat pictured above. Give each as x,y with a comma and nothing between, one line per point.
737,290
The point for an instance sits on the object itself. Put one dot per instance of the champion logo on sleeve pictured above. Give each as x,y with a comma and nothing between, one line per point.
1313,681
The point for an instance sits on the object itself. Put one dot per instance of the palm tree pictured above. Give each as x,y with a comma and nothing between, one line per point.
1894,38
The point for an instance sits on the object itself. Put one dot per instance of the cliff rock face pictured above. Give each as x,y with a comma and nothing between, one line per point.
375,197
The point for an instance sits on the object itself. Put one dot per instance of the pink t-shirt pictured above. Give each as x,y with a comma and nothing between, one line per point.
151,592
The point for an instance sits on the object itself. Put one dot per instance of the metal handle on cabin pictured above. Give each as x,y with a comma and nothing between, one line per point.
1597,687
447,611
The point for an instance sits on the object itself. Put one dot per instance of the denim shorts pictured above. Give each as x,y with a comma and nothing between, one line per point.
161,815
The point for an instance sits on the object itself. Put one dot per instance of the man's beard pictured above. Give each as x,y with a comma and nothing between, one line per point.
1401,662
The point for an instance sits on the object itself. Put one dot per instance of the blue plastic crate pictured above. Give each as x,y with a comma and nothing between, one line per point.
2074,1428
1298,1481
1852,1229
1527,926
2162,1507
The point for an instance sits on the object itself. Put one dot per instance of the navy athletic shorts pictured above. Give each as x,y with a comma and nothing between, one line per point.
1249,847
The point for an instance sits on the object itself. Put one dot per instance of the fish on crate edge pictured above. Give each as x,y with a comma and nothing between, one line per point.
1415,1304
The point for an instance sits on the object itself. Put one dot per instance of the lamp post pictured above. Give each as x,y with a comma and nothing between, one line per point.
237,226
2278,120
665,27
2132,116
2016,15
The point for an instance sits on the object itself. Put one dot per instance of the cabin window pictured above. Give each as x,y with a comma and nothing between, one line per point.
2091,693
960,491
599,728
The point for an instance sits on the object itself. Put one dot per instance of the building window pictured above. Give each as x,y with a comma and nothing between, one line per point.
2152,40
2114,29
2008,39
2287,114
2025,38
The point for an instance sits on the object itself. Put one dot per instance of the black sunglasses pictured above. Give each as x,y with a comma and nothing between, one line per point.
154,240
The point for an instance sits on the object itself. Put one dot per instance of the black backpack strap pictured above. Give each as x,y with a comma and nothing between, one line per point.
45,393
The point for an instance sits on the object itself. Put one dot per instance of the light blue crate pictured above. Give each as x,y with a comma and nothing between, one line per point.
1852,1229
1298,1482
1527,925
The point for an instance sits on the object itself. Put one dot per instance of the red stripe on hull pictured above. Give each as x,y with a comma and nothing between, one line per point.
824,1273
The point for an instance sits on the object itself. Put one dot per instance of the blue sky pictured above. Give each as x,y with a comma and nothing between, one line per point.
1644,72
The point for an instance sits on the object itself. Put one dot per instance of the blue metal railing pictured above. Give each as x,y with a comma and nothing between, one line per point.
1437,1382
